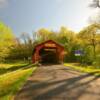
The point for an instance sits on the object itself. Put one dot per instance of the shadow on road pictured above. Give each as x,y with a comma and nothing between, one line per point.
66,89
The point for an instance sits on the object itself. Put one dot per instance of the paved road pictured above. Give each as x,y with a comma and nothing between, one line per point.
58,82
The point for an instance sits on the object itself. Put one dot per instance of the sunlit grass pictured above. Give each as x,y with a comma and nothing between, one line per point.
87,69
9,65
11,82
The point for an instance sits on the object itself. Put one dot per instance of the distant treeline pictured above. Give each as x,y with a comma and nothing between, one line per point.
87,40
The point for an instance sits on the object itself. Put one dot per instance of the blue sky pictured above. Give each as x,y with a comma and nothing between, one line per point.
30,15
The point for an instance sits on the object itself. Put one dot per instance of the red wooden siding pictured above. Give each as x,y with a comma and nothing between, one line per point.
48,44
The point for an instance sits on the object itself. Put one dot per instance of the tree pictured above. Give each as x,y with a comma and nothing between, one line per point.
45,34
6,40
68,39
95,18
90,37
95,4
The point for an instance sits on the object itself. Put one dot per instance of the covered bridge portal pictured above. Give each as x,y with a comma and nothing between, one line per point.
48,52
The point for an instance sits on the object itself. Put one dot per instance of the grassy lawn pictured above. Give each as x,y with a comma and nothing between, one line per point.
86,69
12,78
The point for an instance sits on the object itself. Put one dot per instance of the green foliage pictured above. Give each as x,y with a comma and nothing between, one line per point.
90,38
87,40
6,41
44,34
96,62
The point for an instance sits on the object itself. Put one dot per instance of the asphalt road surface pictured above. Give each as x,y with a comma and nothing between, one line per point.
57,82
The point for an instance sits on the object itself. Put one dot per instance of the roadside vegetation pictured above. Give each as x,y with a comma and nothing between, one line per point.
85,69
13,77
86,42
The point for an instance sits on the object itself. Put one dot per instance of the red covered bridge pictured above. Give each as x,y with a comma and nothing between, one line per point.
48,52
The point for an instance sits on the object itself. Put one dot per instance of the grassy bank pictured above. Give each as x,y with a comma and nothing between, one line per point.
86,69
12,78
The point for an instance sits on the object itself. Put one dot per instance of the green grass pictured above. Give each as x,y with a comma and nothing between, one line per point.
86,69
13,80
9,65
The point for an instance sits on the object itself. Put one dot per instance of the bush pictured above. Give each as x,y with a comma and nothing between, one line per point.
96,62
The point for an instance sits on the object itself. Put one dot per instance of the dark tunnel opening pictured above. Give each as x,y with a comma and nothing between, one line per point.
49,56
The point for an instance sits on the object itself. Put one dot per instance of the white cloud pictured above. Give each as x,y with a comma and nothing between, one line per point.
3,3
